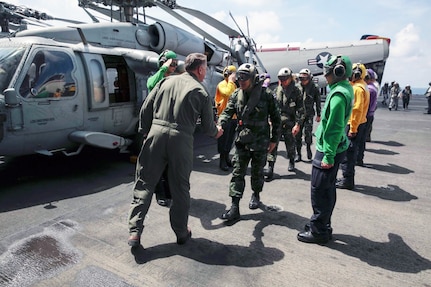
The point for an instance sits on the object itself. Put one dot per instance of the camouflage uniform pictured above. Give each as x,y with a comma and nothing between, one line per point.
292,112
255,147
311,97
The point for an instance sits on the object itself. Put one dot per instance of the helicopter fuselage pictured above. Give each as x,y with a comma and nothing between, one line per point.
83,88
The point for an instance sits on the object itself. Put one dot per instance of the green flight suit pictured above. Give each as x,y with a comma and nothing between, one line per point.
168,116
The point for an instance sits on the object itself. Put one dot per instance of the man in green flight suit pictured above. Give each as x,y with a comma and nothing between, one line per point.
254,105
168,119
167,65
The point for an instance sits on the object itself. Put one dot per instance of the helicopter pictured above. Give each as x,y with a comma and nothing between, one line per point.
64,88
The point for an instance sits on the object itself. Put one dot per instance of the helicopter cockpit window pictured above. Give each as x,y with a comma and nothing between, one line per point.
49,76
9,60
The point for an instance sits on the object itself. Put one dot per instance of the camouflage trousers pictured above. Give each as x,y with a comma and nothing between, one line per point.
307,127
241,160
289,141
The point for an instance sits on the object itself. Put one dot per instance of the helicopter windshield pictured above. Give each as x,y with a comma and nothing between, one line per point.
9,60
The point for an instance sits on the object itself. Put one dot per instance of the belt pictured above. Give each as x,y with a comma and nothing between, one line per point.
256,123
175,126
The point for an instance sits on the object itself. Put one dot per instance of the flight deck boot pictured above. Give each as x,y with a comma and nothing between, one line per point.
291,165
270,172
228,160
233,213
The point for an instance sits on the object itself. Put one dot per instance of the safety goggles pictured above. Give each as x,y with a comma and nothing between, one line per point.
327,70
244,77
173,64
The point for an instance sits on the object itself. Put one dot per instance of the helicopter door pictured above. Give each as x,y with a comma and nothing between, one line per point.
111,99
49,91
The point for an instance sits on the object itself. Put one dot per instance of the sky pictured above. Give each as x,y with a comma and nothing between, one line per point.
405,22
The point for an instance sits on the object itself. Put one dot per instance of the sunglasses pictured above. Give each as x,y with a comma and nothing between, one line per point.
303,78
244,77
173,64
283,78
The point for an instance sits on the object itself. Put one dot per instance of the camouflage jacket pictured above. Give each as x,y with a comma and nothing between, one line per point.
264,108
311,97
291,104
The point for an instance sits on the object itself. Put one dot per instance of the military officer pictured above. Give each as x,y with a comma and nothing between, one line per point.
253,105
311,97
290,101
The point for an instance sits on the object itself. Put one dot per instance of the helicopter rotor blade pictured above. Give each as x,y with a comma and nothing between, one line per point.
251,46
191,25
94,19
211,21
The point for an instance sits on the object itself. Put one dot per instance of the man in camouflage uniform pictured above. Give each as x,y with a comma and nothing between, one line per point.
253,105
311,96
290,101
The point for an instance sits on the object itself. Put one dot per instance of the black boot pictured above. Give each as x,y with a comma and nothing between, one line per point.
222,164
254,201
345,183
228,161
291,165
309,153
270,172
298,157
233,213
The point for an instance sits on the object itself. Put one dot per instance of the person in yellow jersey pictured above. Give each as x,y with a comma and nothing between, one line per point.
356,126
223,92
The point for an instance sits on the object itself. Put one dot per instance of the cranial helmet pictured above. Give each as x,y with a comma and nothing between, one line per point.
340,66
229,70
305,71
247,71
359,71
284,72
371,74
165,55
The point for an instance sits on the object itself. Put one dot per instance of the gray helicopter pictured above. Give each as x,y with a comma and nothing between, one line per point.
63,88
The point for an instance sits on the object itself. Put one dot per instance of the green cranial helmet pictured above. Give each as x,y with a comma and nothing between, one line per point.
165,55
340,66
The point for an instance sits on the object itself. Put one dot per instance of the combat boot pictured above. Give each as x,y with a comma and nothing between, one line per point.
270,172
345,183
254,201
309,153
233,213
223,166
291,165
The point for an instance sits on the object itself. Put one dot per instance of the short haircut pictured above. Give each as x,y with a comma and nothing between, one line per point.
194,60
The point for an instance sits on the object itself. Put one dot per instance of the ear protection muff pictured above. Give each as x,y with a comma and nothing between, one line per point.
162,58
339,70
226,72
356,73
